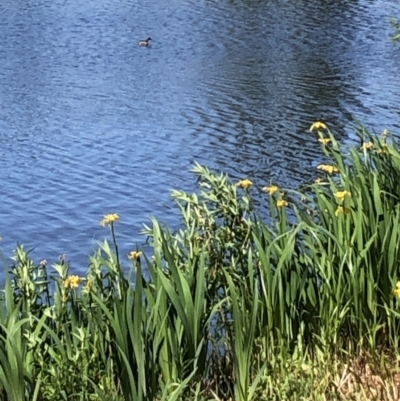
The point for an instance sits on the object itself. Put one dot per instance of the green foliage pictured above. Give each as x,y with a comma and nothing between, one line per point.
396,25
231,306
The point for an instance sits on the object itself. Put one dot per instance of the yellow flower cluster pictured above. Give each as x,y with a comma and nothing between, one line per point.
341,209
367,146
384,150
271,190
134,255
109,219
318,126
282,203
246,184
342,194
328,169
396,291
72,282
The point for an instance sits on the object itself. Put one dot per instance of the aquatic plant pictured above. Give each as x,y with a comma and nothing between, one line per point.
302,303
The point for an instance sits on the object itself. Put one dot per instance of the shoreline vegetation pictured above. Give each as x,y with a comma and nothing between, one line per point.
396,26
302,304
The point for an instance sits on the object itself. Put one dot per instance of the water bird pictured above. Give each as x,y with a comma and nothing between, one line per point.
145,42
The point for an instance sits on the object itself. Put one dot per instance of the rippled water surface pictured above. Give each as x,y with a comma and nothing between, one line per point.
91,124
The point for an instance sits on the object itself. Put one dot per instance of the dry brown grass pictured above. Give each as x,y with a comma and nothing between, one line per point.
364,378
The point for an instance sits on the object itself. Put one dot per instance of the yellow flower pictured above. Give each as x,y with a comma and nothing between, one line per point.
317,126
281,203
328,169
341,209
72,282
319,180
245,183
324,141
367,146
271,190
384,150
109,219
134,255
89,286
396,291
342,194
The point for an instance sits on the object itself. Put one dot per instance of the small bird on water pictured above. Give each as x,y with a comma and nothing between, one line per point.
145,42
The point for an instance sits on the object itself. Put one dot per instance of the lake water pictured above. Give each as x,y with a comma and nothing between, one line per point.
91,123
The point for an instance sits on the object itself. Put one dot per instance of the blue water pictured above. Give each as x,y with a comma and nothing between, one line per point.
91,123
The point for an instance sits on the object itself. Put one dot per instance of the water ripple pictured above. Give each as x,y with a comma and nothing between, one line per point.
90,123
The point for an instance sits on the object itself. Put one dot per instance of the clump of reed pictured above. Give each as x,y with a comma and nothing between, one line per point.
300,304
